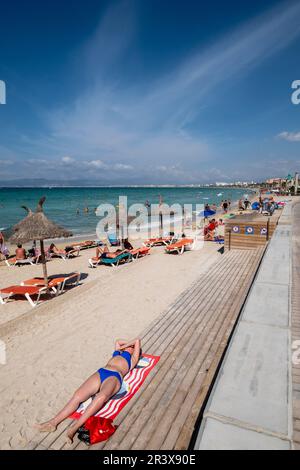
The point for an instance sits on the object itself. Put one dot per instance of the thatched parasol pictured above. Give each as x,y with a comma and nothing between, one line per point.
36,226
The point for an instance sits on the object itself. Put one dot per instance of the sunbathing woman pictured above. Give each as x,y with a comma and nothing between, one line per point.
103,384
69,250
55,251
103,252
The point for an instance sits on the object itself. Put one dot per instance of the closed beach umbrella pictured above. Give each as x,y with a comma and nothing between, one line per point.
36,226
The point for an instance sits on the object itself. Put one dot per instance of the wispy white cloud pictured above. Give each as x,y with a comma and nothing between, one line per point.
290,136
67,159
232,55
4,162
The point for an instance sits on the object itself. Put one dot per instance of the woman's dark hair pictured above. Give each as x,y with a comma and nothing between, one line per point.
127,244
19,245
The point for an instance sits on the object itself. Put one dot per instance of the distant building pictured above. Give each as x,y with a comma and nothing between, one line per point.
287,184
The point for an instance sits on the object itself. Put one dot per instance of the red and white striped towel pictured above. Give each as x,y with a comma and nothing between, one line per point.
131,383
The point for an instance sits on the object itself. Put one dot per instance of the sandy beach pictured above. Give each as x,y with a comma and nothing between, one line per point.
52,348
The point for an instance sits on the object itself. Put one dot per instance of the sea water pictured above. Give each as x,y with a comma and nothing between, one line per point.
66,206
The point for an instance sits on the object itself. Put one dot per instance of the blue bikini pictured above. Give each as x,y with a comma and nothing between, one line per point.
125,354
106,373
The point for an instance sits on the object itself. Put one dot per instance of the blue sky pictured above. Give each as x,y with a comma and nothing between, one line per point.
148,91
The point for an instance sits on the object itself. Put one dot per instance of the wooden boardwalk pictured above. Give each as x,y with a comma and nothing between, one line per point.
191,337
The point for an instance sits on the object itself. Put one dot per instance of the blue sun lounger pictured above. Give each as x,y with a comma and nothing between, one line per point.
115,261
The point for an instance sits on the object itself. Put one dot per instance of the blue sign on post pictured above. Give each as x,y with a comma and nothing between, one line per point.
249,230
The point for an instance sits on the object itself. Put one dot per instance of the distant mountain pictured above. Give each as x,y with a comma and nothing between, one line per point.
40,183
45,183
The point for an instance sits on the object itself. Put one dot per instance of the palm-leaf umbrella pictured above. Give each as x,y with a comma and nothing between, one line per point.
36,226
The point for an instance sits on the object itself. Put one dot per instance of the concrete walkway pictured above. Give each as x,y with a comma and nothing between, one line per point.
250,406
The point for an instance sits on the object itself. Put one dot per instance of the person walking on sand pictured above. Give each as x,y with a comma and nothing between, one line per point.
225,206
102,385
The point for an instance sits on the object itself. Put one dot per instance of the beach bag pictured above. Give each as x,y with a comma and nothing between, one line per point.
96,429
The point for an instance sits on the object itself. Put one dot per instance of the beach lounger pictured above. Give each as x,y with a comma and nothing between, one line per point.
86,244
94,262
21,262
140,252
116,260
113,259
25,291
56,283
158,241
66,256
180,246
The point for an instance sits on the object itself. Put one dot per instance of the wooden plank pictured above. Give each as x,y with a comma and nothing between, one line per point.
166,416
47,439
143,403
181,385
157,327
197,394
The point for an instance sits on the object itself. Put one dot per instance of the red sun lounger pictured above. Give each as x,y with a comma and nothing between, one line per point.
57,284
26,291
140,252
180,246
158,241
